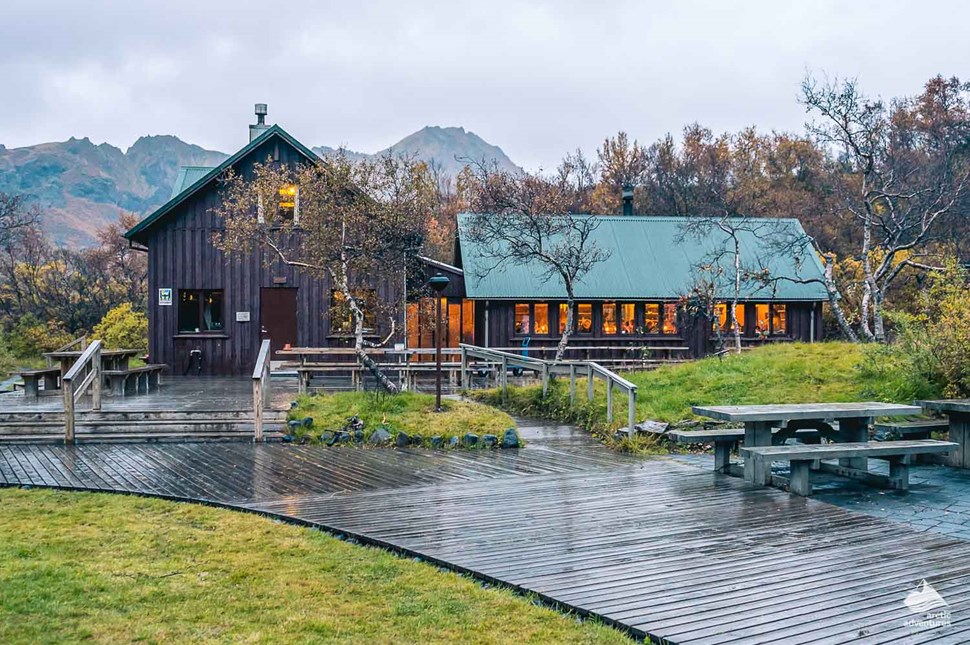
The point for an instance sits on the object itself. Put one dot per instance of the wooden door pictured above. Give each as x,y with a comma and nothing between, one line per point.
277,317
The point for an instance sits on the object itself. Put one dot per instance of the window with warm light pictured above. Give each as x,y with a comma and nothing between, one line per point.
584,318
651,318
541,311
609,318
342,318
468,321
521,319
289,202
779,320
628,318
670,318
563,317
724,319
762,318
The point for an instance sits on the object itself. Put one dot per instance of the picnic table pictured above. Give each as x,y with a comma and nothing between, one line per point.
958,413
114,360
853,423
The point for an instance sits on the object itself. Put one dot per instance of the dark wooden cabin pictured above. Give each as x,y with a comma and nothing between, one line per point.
205,305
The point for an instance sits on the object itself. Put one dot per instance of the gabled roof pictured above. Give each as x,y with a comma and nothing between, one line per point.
651,258
187,176
138,230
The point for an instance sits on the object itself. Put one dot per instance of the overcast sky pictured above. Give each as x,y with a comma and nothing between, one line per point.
536,78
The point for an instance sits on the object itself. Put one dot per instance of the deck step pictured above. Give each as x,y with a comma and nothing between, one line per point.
268,435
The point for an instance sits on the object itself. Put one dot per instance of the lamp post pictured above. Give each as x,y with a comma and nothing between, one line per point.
437,283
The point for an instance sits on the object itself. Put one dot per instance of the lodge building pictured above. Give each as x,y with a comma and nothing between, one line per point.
210,312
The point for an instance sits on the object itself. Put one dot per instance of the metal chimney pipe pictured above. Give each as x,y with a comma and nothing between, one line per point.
627,200
260,127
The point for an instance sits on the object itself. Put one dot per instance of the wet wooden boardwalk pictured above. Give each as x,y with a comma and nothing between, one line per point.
662,549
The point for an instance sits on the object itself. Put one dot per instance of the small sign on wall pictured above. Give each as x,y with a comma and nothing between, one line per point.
242,316
165,297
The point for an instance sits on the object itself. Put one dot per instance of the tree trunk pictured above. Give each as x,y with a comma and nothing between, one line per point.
737,294
878,321
834,300
358,313
567,330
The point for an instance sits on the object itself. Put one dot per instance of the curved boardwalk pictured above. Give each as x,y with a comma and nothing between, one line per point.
663,549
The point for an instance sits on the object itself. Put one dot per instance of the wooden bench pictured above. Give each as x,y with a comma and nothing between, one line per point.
898,453
921,429
49,376
134,380
726,439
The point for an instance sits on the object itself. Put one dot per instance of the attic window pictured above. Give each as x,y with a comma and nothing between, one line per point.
289,205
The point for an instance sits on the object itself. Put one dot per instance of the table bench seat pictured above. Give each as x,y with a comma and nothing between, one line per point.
898,453
49,376
134,380
725,440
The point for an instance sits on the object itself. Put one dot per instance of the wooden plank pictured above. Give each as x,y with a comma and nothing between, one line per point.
792,411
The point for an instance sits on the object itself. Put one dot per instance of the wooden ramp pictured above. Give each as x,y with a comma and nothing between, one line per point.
663,550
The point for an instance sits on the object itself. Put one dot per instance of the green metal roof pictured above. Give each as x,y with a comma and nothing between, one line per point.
651,258
137,232
187,176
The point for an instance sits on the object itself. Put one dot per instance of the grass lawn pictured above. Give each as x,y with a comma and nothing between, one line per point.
410,412
110,568
781,373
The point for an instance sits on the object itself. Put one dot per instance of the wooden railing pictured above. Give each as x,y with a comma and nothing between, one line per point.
545,368
81,342
260,389
85,373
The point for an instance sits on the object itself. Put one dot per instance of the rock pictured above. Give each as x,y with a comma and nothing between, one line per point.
354,423
342,437
358,436
417,440
307,422
489,440
293,405
620,435
402,440
470,439
437,442
380,437
653,427
304,440
293,425
287,438
510,439
453,442
327,438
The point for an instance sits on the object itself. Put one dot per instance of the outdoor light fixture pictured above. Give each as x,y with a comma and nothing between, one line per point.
437,283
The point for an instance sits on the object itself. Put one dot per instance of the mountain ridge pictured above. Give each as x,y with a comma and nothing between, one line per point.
81,186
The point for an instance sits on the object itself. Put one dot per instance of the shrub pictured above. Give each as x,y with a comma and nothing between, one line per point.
123,328
930,355
30,337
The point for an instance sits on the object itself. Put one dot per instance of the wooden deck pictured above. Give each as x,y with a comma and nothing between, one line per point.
659,548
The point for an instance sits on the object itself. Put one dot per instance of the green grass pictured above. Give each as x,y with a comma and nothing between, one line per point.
410,412
782,373
109,568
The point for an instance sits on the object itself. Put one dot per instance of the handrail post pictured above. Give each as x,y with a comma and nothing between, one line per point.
572,383
631,412
545,379
464,368
260,389
96,383
68,386
589,382
609,400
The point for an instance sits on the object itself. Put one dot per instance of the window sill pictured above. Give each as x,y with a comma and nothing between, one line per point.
201,334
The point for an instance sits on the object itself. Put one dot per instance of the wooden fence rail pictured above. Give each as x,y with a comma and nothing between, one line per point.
546,368
261,378
85,373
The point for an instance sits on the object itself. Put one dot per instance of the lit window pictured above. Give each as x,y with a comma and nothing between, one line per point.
609,318
563,317
468,321
670,318
342,318
724,319
521,319
200,310
762,323
779,322
628,318
542,318
651,318
584,318
289,208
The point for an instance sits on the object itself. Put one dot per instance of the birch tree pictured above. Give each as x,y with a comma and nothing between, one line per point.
343,221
